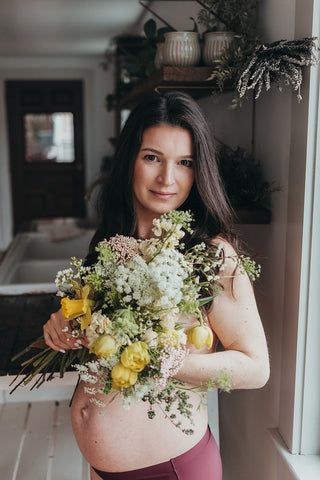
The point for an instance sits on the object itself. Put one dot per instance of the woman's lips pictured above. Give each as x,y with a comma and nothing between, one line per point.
163,195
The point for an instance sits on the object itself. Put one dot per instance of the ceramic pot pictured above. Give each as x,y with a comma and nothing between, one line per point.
214,44
181,49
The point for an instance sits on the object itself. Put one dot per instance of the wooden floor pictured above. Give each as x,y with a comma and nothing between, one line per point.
37,442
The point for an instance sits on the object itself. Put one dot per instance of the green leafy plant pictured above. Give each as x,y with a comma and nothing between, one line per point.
136,55
239,18
243,178
230,15
125,50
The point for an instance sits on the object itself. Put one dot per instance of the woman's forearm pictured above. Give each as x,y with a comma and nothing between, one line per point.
242,370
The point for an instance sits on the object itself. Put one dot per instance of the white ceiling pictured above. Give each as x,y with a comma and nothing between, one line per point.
64,27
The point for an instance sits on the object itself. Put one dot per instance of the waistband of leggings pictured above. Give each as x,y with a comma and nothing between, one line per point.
160,468
194,451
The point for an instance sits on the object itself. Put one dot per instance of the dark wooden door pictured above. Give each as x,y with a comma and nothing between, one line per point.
45,124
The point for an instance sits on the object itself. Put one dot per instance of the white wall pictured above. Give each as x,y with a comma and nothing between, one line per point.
98,123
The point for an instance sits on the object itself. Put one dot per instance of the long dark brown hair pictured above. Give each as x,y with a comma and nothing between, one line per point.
207,199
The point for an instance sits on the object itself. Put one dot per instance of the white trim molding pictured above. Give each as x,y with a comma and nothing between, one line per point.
297,467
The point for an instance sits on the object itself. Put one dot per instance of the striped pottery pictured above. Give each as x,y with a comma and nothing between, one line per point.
214,44
181,49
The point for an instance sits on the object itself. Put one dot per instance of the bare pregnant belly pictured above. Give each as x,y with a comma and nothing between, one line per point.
113,439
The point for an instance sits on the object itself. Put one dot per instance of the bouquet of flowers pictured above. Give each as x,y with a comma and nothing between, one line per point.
129,305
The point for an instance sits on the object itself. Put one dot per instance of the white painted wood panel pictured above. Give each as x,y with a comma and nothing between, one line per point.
66,459
37,441
12,424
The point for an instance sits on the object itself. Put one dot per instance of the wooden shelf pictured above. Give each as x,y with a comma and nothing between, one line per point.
193,79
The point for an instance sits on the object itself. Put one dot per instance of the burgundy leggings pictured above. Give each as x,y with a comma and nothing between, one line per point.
202,462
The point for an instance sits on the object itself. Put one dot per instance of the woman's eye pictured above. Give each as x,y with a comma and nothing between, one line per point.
150,158
186,163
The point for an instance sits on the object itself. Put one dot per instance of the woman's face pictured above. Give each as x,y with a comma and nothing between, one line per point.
163,172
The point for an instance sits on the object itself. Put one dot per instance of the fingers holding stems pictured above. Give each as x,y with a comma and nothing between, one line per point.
59,336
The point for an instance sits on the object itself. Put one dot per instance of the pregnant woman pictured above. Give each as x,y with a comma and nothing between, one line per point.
165,161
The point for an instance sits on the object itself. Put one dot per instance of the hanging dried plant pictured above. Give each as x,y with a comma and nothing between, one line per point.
279,62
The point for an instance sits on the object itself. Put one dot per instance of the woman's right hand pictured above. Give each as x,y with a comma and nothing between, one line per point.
57,333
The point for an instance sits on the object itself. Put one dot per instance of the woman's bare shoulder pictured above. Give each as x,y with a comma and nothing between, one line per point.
229,251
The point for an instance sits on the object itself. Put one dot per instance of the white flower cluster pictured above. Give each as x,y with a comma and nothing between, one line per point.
161,225
157,284
150,337
64,277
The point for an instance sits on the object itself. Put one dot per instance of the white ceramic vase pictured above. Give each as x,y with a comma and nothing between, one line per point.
181,49
214,44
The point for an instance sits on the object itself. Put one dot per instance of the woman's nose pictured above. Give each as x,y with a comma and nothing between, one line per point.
167,175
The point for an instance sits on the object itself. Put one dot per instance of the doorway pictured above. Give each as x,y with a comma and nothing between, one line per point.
45,126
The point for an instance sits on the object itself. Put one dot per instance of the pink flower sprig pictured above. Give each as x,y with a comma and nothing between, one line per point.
124,247
171,361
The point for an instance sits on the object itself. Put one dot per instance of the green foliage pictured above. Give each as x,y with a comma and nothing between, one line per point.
241,19
243,178
229,66
174,394
224,382
180,217
136,55
249,266
124,321
154,34
230,15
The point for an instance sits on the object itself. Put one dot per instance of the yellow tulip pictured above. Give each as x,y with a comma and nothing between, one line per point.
122,377
80,307
136,356
200,336
104,346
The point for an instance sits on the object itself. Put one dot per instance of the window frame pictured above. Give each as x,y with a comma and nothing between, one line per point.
299,412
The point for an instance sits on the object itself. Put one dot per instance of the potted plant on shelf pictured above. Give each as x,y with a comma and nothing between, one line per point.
135,59
216,38
243,178
241,64
245,63
236,23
